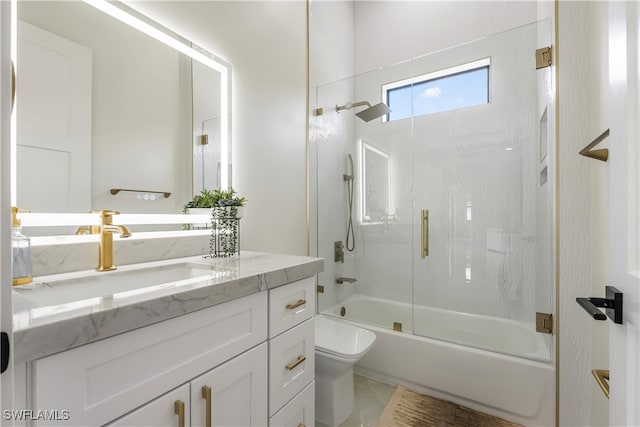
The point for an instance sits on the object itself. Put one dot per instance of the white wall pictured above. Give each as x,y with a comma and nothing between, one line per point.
582,255
265,43
388,32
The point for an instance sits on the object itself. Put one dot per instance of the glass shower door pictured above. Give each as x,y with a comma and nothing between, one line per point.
364,206
482,254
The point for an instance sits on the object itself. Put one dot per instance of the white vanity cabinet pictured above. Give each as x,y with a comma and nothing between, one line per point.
292,354
246,362
100,382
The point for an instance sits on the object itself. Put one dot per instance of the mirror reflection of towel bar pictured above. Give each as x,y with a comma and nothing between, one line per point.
115,191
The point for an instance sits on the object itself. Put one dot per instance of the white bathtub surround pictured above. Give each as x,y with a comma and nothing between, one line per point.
512,388
41,329
338,348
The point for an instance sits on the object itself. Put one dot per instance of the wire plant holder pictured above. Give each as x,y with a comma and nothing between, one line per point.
225,232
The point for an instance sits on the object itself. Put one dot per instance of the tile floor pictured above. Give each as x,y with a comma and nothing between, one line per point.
371,398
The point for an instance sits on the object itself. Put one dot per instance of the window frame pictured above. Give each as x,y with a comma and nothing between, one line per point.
436,75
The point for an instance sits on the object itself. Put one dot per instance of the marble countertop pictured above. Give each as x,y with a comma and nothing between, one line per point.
41,330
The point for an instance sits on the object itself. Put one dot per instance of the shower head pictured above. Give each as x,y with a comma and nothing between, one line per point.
367,114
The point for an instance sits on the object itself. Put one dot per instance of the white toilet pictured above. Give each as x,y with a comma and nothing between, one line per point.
338,347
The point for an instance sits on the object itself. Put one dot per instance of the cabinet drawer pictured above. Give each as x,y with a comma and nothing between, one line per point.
300,411
290,305
291,364
101,381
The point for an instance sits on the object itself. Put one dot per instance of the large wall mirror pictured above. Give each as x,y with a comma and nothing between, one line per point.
103,107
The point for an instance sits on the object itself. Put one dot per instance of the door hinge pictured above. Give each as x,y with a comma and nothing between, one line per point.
544,323
4,347
320,289
543,57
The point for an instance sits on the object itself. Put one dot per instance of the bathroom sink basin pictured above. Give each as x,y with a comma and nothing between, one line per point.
124,282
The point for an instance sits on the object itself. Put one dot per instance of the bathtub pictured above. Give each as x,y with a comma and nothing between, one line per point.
495,382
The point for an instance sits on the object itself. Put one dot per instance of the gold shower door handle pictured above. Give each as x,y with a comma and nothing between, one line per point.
424,238
179,411
206,395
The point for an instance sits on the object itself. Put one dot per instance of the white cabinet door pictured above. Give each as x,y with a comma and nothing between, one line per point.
171,409
233,394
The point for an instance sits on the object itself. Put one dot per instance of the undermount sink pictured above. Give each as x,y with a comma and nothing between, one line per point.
124,282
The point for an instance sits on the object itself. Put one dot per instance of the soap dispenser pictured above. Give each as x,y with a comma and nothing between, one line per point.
21,245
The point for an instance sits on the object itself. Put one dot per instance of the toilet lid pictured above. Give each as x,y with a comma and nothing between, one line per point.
342,339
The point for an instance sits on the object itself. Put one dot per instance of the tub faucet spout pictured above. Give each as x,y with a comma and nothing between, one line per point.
341,280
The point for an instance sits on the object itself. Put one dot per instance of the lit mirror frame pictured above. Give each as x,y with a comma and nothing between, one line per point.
135,19
376,181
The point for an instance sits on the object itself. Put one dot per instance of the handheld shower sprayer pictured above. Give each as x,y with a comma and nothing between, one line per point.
350,176
350,243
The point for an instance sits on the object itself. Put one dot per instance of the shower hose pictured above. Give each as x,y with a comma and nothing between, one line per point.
350,244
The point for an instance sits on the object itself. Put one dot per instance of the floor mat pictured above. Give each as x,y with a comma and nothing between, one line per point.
409,409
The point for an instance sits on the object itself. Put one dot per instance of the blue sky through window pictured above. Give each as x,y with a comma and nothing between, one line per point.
449,92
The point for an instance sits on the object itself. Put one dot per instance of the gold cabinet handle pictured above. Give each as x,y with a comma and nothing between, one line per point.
301,425
602,377
299,360
206,395
297,304
424,238
179,411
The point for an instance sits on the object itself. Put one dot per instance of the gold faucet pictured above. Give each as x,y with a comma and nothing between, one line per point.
106,239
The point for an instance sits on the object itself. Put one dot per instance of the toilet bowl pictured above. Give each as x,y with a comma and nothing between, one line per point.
338,347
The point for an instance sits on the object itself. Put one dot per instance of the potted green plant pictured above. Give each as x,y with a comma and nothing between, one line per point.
214,199
226,210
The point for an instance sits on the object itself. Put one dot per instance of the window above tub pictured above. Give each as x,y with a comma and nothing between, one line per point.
456,87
